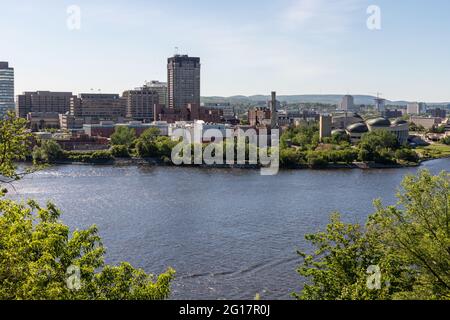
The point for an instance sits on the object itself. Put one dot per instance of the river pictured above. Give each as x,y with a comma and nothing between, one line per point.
230,234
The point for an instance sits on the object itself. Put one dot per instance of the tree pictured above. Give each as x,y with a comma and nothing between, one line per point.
49,151
146,144
14,145
119,151
378,146
123,136
405,154
408,243
40,259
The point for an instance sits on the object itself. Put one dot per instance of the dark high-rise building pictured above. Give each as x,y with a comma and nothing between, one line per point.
6,88
43,102
183,81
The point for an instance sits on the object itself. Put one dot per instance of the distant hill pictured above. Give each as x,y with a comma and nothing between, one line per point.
329,99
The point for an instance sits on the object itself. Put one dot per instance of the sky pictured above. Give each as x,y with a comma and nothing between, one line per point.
246,47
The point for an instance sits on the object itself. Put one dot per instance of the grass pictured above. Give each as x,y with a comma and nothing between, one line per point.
434,151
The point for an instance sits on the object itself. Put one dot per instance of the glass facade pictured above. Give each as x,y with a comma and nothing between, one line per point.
6,88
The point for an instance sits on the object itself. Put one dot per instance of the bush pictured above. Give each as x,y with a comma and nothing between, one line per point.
291,158
316,160
446,140
49,151
89,157
407,155
120,151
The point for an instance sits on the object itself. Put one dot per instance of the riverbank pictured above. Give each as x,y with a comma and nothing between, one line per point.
160,163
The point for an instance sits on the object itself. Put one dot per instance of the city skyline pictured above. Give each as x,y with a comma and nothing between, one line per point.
297,47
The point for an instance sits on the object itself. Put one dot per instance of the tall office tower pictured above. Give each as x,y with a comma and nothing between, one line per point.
273,111
183,75
6,88
347,103
44,102
140,103
160,88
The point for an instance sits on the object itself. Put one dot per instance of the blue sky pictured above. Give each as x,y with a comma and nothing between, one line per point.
247,47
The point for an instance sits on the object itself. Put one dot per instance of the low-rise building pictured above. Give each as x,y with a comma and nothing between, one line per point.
43,120
426,122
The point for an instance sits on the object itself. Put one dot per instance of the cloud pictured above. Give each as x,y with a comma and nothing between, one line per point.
322,16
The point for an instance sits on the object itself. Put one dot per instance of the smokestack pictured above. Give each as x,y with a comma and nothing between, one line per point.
274,122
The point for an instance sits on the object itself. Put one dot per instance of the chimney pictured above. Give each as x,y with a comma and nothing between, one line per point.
273,109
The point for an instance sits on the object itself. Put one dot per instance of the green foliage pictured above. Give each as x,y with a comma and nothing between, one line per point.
14,144
123,136
151,145
49,151
316,160
409,242
292,158
446,140
378,146
37,253
98,157
306,137
120,151
408,155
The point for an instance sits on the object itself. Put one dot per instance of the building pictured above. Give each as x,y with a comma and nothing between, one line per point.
191,112
140,103
69,122
326,124
107,128
6,88
438,113
160,88
98,107
415,108
259,116
426,122
380,105
183,81
343,120
38,121
42,102
347,103
392,113
398,127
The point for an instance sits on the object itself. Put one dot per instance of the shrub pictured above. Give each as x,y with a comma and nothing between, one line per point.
120,151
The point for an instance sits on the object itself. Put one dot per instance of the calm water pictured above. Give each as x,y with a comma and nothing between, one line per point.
229,233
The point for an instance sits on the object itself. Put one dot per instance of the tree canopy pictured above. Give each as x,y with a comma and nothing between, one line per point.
407,244
41,259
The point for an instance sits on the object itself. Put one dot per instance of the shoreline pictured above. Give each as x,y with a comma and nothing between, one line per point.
123,162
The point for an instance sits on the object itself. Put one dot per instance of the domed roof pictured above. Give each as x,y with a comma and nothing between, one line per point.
399,121
338,131
358,128
379,122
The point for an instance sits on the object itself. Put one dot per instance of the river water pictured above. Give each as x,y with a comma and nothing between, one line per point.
230,234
